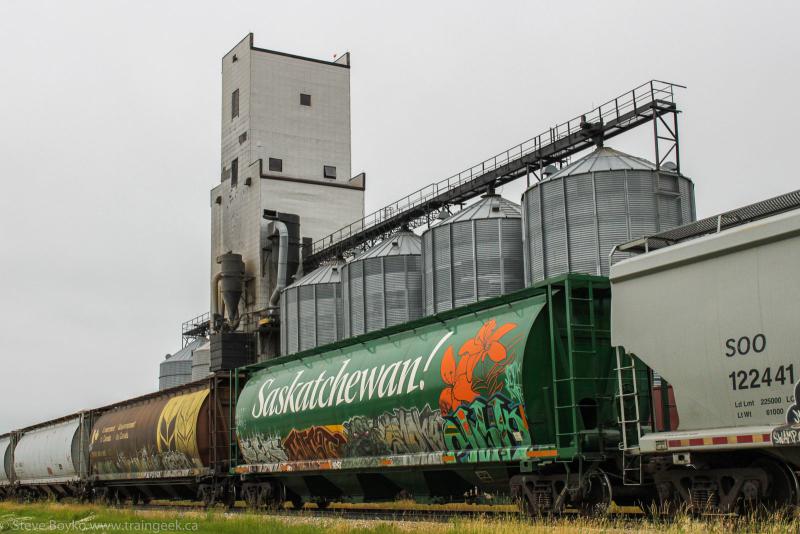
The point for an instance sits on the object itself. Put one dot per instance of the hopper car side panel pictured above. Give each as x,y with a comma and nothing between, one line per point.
172,444
466,399
50,458
717,317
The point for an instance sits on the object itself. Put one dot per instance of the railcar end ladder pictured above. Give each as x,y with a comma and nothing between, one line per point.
629,417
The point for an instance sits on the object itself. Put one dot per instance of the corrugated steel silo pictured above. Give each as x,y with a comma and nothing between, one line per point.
311,309
383,286
201,361
573,218
176,369
473,255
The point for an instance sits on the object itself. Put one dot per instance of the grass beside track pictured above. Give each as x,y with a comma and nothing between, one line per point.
54,517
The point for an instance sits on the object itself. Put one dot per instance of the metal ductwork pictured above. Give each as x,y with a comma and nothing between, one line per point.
283,234
283,257
229,282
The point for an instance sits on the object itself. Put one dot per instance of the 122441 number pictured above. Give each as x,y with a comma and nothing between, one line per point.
755,378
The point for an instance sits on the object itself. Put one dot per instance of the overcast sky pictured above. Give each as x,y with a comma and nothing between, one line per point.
109,140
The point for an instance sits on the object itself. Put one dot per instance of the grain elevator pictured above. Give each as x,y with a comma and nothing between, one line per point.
285,179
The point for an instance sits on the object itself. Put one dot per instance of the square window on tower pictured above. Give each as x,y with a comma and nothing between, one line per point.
329,171
305,100
275,165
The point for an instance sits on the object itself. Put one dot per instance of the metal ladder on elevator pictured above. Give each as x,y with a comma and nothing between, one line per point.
629,417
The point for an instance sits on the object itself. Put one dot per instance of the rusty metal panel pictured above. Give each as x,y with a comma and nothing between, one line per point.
48,454
161,436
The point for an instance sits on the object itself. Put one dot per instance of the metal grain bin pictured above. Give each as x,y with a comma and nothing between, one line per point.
176,369
474,255
383,286
311,310
6,455
574,218
201,361
50,454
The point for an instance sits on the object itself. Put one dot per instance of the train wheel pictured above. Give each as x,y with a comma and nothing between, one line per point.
783,490
596,496
111,498
230,497
322,504
272,495
251,497
207,495
297,502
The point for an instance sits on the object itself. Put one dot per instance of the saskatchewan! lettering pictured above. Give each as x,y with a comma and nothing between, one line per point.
344,387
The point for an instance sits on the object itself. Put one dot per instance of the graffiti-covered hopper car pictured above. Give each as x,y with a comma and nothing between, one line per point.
466,399
170,444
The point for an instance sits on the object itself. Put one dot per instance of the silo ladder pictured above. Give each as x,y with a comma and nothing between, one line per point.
629,418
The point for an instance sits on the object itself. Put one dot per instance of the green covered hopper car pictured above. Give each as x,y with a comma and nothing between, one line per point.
511,395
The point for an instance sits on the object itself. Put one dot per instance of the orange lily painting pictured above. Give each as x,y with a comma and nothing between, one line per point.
477,369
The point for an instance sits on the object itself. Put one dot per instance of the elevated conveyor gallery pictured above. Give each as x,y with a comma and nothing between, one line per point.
650,102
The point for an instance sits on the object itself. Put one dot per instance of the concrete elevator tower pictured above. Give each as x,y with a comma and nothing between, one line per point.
285,154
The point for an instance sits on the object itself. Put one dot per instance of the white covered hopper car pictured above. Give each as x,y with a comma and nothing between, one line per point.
713,308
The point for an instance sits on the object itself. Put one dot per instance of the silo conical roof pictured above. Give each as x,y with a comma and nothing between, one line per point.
186,352
176,369
403,243
329,273
576,216
604,159
490,206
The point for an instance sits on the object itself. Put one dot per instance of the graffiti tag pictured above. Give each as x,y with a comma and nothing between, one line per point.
485,426
313,443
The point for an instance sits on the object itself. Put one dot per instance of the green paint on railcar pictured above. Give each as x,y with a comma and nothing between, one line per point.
473,385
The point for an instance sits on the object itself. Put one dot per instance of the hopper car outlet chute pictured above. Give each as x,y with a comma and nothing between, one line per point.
512,393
